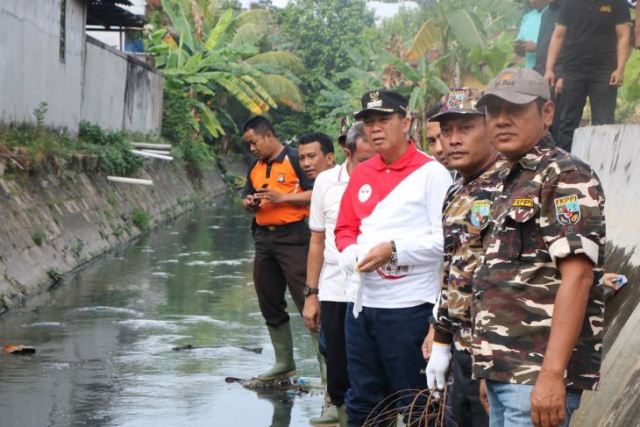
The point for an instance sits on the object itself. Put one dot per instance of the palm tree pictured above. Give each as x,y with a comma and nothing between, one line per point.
217,54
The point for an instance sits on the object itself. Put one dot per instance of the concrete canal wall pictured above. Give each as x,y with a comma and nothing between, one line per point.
613,153
54,224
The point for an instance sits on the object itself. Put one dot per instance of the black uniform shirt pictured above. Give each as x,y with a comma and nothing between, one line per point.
591,39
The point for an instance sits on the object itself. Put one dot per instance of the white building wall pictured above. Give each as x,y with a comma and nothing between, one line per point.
31,70
94,82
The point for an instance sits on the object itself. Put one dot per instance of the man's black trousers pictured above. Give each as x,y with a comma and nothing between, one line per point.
578,85
332,322
280,261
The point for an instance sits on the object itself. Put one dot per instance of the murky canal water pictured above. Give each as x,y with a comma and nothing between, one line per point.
104,339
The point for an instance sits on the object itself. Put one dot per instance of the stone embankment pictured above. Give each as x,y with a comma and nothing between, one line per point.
52,225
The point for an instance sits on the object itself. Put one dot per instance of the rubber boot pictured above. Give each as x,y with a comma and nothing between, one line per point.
328,418
315,341
282,342
342,416
329,415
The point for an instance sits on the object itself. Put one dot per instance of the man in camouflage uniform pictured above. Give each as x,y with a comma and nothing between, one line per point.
464,215
538,299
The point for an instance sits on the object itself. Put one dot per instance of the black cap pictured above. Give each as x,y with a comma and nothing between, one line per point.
383,101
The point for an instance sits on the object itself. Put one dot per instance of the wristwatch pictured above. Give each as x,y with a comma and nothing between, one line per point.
310,291
394,254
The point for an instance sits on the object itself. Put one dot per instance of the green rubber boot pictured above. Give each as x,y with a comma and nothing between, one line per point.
328,418
283,346
315,340
342,416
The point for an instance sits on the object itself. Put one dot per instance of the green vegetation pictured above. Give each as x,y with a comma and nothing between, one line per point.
56,276
421,53
111,149
141,219
629,94
218,56
34,150
38,235
306,65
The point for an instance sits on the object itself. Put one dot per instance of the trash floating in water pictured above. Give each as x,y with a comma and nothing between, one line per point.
289,385
18,349
205,291
256,350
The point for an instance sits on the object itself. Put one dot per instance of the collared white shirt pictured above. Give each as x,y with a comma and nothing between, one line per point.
325,204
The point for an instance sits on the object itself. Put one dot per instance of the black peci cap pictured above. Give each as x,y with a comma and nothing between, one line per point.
383,101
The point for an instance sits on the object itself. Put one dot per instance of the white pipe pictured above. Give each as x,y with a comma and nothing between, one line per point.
151,146
130,180
152,155
164,153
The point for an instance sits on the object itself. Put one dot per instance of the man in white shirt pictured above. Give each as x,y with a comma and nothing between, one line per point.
325,295
389,233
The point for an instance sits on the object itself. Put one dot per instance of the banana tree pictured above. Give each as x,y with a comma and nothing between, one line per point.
213,55
471,39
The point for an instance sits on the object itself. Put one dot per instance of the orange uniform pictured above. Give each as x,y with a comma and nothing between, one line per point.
281,236
284,175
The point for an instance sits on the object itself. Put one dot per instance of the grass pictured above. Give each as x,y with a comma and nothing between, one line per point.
141,219
34,150
38,235
55,275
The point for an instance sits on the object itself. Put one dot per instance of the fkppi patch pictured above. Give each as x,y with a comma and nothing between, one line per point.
480,211
525,202
567,209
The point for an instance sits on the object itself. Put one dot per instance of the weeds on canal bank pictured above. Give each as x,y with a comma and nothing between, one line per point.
32,149
56,276
141,219
38,235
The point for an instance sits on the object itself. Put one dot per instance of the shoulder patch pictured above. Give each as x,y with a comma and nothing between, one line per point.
480,212
567,209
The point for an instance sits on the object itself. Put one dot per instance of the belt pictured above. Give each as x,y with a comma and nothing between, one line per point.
280,227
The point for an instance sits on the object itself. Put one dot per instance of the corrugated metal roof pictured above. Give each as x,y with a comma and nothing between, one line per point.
108,13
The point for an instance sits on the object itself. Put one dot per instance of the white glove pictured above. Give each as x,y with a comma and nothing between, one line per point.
348,259
438,365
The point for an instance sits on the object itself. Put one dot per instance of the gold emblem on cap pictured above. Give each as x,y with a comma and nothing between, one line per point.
507,76
375,95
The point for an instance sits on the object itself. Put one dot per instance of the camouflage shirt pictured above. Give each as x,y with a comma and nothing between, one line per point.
551,206
465,214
